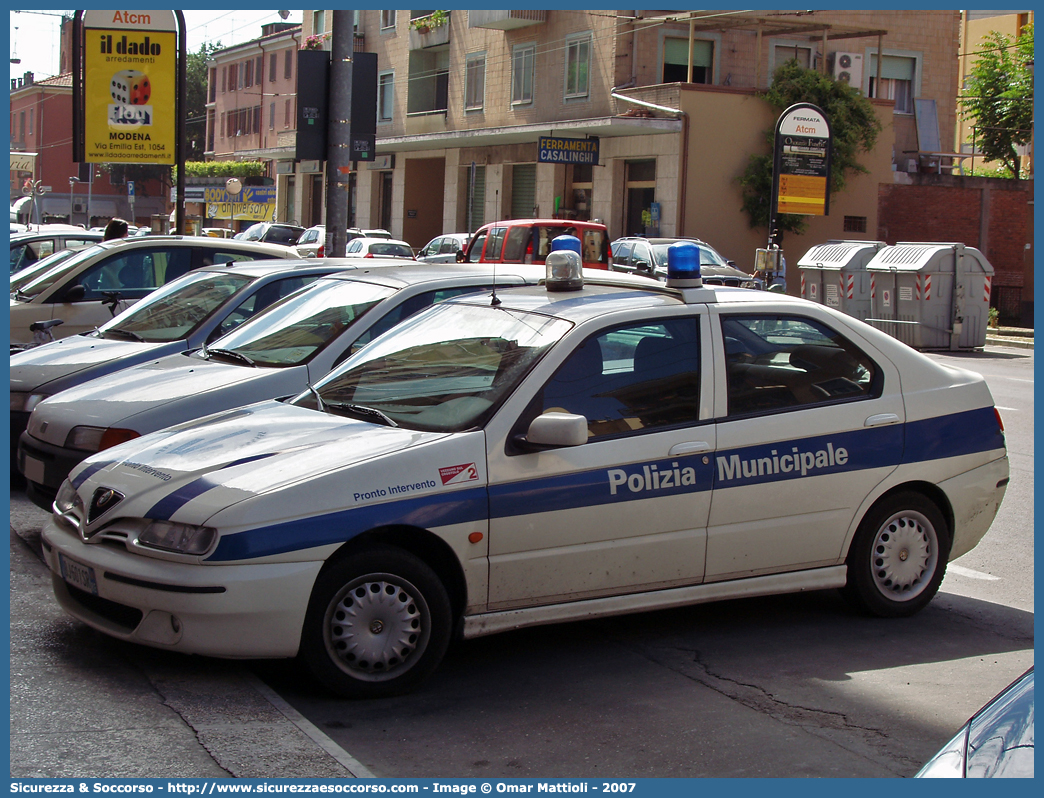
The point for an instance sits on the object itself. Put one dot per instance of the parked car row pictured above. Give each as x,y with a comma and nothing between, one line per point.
312,243
529,241
88,287
397,452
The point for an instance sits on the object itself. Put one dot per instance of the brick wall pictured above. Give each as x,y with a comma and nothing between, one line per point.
993,215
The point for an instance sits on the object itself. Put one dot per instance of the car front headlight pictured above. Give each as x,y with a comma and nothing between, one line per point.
24,402
95,439
68,501
180,538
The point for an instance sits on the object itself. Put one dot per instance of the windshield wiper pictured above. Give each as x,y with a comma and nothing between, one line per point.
127,334
231,354
318,399
362,410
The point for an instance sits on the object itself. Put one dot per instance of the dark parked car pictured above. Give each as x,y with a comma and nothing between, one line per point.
272,233
648,257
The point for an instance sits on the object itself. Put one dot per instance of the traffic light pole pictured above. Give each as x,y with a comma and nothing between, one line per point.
339,151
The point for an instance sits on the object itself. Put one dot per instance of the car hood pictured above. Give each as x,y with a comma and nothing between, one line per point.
164,392
236,455
36,367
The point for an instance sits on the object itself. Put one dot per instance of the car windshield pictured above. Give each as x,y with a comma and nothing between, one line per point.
708,257
174,311
292,331
446,369
43,274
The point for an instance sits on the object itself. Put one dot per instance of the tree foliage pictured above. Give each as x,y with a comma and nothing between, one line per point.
854,127
196,73
999,97
223,169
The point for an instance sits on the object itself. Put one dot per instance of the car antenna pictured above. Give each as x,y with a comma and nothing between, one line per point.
495,300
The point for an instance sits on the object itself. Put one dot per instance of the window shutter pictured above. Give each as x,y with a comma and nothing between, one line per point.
523,190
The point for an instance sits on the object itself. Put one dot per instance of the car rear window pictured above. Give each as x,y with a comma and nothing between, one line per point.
282,235
391,250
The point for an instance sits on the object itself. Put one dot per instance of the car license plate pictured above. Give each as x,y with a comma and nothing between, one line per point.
33,470
78,575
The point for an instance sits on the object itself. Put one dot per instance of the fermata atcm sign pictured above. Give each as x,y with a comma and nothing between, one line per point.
130,80
801,162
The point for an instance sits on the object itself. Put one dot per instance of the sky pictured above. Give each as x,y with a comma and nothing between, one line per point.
34,34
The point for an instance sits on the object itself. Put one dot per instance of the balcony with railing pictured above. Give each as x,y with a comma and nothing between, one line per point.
429,28
506,19
427,100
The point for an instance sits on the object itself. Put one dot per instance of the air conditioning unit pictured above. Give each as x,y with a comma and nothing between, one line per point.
847,67
79,207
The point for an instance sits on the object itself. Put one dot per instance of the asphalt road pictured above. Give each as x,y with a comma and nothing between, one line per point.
778,687
786,686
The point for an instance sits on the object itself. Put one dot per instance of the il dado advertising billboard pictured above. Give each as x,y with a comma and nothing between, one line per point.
129,86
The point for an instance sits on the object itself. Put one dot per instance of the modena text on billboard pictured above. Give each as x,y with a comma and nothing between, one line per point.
130,80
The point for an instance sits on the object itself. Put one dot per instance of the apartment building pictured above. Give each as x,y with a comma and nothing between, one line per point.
252,110
670,98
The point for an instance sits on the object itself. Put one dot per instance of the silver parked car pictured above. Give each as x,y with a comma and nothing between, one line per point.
996,743
90,287
28,248
444,248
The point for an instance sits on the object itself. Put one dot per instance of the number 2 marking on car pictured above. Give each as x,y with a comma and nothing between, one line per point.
458,473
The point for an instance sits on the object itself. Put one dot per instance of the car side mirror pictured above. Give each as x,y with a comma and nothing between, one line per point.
643,266
553,430
459,256
74,293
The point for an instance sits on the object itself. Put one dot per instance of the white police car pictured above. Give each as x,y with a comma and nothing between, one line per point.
541,456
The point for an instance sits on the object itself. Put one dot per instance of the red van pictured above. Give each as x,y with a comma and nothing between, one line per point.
529,241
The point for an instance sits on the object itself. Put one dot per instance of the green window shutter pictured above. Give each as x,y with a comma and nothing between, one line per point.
523,190
894,67
676,51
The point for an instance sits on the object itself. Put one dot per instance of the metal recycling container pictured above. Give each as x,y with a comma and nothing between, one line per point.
835,274
931,295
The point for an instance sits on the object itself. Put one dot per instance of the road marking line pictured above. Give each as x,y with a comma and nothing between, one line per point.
968,572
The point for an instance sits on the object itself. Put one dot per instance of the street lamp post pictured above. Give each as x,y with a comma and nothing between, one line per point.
234,187
72,189
34,188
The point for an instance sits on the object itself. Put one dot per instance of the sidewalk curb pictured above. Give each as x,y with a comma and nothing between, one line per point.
1003,340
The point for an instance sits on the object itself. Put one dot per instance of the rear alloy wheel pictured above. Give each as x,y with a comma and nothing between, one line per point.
898,558
378,623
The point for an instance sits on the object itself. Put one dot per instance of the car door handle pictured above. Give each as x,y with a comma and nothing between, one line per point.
881,419
689,447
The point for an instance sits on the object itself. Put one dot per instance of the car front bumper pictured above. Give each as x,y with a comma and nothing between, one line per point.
45,466
19,424
230,611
